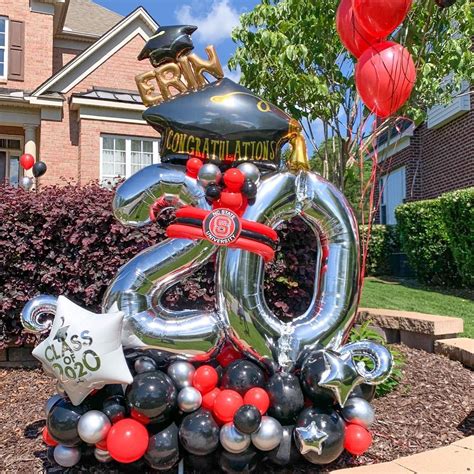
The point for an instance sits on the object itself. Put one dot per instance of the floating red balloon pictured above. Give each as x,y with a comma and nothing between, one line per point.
47,438
226,404
27,161
127,441
352,34
258,398
357,439
384,77
209,399
380,17
205,379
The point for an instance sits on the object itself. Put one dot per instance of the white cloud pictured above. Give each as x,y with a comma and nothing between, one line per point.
216,25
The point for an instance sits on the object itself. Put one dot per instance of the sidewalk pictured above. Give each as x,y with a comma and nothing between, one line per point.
453,459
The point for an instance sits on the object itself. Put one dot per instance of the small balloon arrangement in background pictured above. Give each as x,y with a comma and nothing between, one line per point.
39,168
385,72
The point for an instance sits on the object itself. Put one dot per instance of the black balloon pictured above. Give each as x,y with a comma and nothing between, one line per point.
311,372
144,364
364,391
152,395
162,359
39,169
286,398
115,408
242,375
62,423
247,419
249,189
199,433
163,449
245,462
286,453
213,192
330,424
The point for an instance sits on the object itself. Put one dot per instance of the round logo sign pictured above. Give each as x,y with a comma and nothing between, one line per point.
221,226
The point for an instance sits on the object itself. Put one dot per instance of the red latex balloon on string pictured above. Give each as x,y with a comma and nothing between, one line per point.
380,17
384,77
127,441
27,161
352,34
357,439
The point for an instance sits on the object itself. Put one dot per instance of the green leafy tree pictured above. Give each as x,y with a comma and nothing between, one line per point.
289,52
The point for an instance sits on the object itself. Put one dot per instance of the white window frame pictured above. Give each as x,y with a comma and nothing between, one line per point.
11,151
384,187
5,48
128,151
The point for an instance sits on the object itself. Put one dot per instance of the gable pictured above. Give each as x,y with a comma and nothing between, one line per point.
122,36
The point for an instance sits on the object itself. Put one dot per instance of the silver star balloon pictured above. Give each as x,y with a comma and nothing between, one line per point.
310,438
341,375
84,350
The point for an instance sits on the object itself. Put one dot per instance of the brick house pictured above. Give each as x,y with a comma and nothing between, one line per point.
426,161
67,90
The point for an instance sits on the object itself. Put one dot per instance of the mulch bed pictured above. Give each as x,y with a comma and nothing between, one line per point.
431,408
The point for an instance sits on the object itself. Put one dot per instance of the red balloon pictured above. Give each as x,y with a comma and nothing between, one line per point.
205,379
27,161
209,399
357,439
102,445
193,165
352,34
227,355
47,438
384,77
380,17
226,404
234,179
127,441
258,398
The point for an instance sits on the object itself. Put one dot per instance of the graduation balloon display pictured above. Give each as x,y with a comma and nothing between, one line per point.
234,379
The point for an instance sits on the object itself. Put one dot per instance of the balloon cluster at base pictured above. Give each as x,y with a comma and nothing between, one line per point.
231,409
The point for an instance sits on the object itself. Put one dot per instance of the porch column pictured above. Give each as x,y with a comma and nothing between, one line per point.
30,145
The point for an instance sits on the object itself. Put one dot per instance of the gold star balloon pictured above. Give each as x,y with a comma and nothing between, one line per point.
84,350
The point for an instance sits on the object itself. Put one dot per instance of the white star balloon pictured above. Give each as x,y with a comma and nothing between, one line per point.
84,350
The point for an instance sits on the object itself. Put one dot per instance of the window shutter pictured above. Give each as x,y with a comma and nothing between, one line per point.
16,53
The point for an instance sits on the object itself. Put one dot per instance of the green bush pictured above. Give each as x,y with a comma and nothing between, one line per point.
383,241
458,214
424,237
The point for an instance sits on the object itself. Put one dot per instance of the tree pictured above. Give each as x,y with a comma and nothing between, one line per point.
289,52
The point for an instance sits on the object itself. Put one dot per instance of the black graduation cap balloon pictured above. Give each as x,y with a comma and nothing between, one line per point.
223,122
168,43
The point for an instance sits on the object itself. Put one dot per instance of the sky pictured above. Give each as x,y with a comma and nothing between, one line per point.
214,18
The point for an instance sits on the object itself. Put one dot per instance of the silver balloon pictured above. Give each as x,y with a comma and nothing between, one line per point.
269,434
250,171
49,405
140,284
240,289
26,183
209,174
358,411
144,364
102,456
182,374
189,399
380,356
233,440
65,456
38,314
93,426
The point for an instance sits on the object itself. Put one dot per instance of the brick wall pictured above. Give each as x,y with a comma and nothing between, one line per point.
38,43
62,56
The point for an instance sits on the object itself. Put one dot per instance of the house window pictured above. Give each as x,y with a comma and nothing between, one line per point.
123,156
392,190
10,152
3,47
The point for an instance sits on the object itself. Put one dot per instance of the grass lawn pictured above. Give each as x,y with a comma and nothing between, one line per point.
411,296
